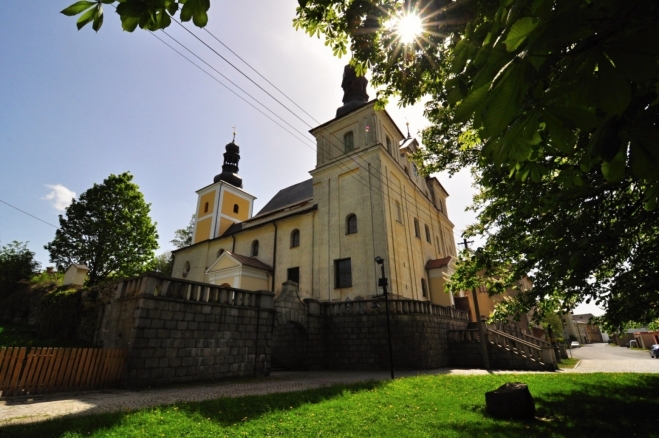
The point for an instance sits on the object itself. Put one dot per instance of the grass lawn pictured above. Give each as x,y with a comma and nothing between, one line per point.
15,335
568,363
601,405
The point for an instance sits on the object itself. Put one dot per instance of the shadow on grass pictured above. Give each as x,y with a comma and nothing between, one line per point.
603,408
223,412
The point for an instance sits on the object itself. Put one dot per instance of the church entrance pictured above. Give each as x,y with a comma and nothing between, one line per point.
289,346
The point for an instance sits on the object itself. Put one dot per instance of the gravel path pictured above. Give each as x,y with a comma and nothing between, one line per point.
38,408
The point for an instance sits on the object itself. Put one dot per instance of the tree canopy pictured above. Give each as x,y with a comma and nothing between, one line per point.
16,263
108,229
183,236
552,103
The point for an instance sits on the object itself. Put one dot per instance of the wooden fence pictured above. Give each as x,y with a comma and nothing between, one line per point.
33,370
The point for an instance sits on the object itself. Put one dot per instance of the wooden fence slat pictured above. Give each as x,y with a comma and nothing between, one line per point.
101,369
77,365
45,358
57,379
52,379
38,370
90,369
75,353
81,369
7,368
4,355
46,370
17,370
28,372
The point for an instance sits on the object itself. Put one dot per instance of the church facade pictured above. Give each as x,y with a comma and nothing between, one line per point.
365,199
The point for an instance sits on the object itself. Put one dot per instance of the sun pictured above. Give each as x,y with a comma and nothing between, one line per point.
408,27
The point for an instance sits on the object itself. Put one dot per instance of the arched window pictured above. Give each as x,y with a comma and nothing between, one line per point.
186,269
235,208
206,207
351,224
295,238
417,233
424,287
219,253
255,248
349,142
427,233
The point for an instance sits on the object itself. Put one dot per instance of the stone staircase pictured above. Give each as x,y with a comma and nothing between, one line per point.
508,348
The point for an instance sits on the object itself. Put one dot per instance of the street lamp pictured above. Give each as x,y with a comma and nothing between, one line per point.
382,282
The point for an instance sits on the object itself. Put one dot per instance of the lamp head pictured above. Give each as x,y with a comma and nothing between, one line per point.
379,260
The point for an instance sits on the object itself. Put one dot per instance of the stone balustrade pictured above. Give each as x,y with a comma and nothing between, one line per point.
395,307
154,284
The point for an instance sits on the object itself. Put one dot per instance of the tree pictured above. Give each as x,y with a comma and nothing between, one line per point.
16,263
163,263
108,229
552,103
183,236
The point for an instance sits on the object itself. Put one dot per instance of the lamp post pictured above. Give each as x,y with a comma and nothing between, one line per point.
382,282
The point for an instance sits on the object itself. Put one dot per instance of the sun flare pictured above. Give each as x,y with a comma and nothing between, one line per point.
408,27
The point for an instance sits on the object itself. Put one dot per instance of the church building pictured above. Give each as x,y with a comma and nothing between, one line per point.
365,199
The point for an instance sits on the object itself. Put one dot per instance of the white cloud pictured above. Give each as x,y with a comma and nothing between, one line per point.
60,196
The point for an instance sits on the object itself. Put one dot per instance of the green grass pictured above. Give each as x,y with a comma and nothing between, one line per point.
15,335
568,363
602,405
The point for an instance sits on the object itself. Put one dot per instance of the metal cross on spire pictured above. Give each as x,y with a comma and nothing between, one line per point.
234,133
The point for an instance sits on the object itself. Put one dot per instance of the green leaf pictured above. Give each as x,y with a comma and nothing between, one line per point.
77,8
519,32
460,54
464,111
86,18
98,18
614,170
613,90
502,103
129,24
197,11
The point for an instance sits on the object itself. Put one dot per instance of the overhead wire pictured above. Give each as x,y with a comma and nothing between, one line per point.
31,215
353,157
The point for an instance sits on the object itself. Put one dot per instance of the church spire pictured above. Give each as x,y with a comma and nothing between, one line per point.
354,91
230,166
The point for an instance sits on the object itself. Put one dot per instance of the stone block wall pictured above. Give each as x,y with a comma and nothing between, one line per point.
178,341
419,341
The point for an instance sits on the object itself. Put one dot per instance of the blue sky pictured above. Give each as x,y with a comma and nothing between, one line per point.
79,105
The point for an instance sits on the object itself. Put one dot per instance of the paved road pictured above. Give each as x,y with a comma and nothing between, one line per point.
606,358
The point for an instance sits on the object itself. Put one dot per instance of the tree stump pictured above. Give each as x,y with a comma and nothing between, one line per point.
512,400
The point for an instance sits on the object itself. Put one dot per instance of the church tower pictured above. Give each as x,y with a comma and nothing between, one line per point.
224,202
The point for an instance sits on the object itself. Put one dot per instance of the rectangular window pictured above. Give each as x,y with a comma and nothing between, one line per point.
399,216
342,273
388,145
293,275
349,142
417,233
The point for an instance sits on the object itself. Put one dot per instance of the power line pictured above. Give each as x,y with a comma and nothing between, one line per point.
31,215
263,77
353,158
227,87
240,71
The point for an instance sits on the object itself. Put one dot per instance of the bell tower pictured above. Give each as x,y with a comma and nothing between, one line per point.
224,202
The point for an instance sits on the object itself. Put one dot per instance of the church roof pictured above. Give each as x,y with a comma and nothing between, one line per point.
249,261
438,263
290,195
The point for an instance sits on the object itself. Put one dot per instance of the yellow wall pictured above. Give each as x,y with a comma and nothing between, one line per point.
229,200
224,225
251,283
210,198
203,230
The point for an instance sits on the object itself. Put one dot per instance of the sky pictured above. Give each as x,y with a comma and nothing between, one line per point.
78,106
